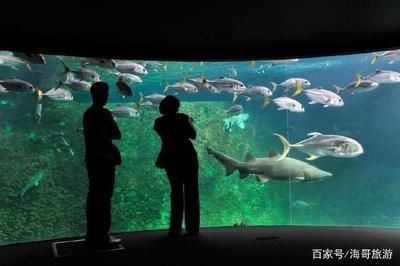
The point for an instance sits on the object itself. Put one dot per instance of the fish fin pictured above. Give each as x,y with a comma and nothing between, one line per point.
280,108
165,67
298,88
40,94
274,86
314,134
166,86
273,153
391,62
235,96
286,146
299,178
262,178
374,57
312,102
243,173
28,66
312,157
253,63
250,157
338,89
247,98
241,125
265,102
326,105
359,79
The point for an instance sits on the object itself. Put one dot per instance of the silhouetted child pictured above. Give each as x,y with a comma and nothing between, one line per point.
101,157
179,158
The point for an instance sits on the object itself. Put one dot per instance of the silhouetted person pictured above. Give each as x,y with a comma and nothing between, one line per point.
179,158
101,157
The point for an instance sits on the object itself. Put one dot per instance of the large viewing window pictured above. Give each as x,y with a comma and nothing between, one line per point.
315,141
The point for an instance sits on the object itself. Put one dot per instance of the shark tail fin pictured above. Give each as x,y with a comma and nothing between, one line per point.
286,146
230,164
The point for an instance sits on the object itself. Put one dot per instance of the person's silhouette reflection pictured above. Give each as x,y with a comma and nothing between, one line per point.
101,157
179,158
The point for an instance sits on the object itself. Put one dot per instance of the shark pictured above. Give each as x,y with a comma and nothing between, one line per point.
270,167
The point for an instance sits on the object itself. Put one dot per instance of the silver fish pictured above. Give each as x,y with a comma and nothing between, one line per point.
57,94
124,111
181,87
286,103
236,108
253,92
154,98
319,145
325,97
34,181
17,85
358,86
381,77
31,58
391,55
123,88
83,73
298,84
79,85
101,62
227,84
131,67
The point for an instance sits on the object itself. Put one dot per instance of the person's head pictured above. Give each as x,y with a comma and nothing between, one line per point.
99,92
169,105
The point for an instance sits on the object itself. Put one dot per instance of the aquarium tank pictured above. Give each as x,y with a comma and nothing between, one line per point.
297,141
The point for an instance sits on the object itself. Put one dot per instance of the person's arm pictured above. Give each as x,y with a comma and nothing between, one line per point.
190,132
112,126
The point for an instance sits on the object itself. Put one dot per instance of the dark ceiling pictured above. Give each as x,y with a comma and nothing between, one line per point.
201,31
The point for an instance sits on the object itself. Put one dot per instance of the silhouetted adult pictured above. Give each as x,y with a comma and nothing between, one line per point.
179,158
101,157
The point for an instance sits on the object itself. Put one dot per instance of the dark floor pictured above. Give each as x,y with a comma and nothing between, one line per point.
223,246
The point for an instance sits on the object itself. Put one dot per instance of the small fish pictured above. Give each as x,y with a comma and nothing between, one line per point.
286,103
155,98
127,77
131,67
358,87
123,88
253,92
325,97
34,181
101,62
380,77
300,204
298,84
56,94
71,151
79,85
236,108
17,85
227,84
83,73
124,111
181,87
31,58
392,56
281,61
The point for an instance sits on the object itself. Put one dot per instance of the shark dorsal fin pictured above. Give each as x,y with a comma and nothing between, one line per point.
273,153
314,134
249,157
